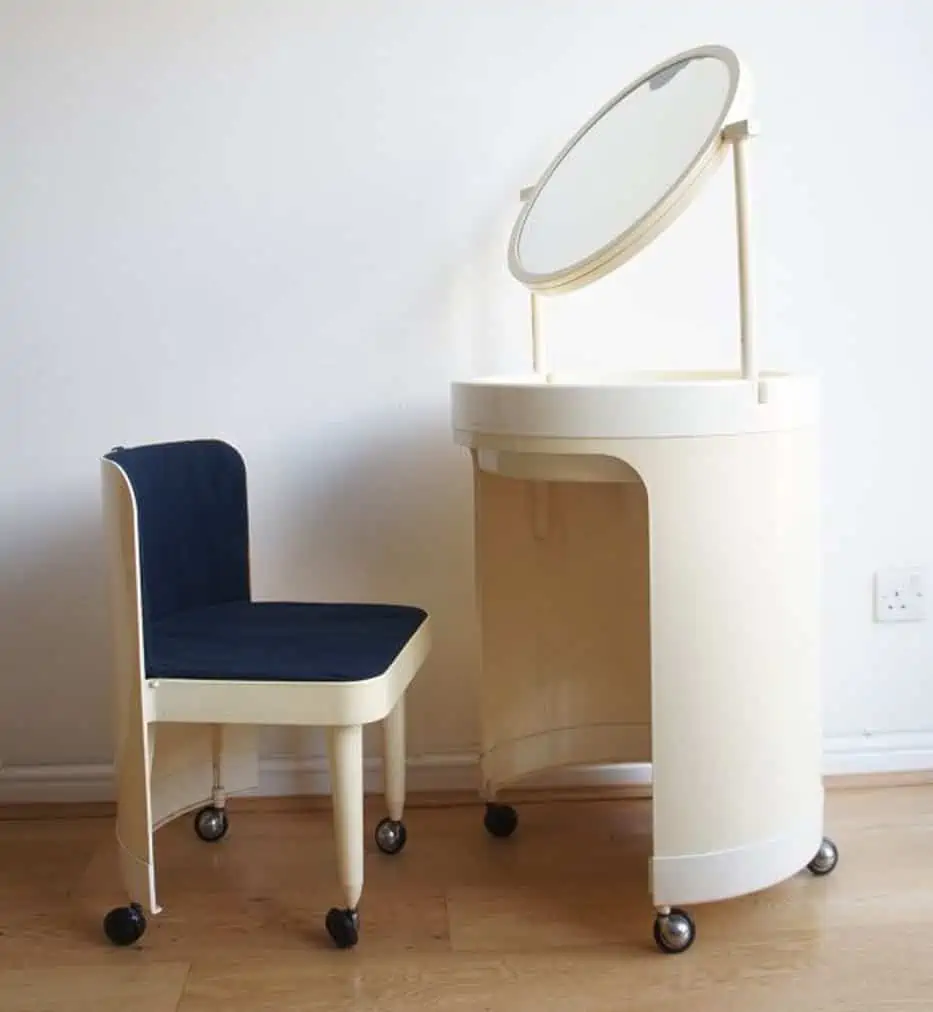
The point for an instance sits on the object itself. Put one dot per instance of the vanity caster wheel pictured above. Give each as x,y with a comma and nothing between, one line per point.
675,931
211,824
125,925
343,926
826,859
500,820
391,836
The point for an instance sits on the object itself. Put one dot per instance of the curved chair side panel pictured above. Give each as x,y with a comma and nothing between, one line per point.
132,755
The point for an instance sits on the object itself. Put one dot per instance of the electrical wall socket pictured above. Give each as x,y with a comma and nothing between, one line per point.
899,595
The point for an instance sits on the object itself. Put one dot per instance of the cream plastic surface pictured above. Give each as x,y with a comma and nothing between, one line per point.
647,550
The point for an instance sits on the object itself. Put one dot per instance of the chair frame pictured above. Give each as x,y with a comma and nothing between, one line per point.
184,744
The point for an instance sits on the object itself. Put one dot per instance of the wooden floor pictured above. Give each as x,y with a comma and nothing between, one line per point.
559,913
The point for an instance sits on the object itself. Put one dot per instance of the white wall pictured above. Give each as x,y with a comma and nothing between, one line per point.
285,224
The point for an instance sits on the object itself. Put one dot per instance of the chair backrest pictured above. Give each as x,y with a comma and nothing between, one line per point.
191,524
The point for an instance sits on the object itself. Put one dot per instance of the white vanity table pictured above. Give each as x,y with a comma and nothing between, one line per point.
647,546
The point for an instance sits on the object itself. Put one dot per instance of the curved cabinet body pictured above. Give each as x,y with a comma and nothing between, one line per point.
655,597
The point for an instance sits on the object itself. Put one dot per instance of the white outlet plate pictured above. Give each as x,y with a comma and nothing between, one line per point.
899,595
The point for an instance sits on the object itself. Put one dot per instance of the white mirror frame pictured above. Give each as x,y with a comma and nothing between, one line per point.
659,217
732,129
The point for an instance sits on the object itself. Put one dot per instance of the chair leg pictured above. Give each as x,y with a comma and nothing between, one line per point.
391,833
125,925
211,822
346,763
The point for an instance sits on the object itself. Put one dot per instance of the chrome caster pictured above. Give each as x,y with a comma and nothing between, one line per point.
826,858
500,820
125,925
391,836
343,926
674,931
211,824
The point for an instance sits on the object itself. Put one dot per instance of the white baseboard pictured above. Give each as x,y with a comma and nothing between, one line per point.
61,783
279,776
893,752
283,776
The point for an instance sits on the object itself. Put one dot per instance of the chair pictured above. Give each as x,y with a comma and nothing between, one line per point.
199,666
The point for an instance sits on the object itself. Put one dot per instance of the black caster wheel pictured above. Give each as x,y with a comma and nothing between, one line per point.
500,820
211,824
125,925
826,858
343,926
675,931
391,836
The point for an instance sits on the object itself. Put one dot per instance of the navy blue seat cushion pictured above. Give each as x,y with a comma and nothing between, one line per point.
198,617
280,641
193,523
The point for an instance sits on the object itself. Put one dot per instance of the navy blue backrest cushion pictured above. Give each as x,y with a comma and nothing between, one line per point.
193,522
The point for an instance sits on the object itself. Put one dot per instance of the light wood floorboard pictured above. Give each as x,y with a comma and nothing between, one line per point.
461,921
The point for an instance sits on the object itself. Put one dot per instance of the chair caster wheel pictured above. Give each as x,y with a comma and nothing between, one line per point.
826,858
211,824
500,820
343,926
391,836
674,931
125,925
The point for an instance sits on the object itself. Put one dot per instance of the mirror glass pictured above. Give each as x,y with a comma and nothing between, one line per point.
624,164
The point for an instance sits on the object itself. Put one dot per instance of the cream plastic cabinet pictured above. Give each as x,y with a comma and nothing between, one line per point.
647,546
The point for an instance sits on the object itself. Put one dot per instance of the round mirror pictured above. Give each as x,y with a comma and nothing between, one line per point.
628,172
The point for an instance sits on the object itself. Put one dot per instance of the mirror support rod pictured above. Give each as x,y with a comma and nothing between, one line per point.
537,345
538,360
737,134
